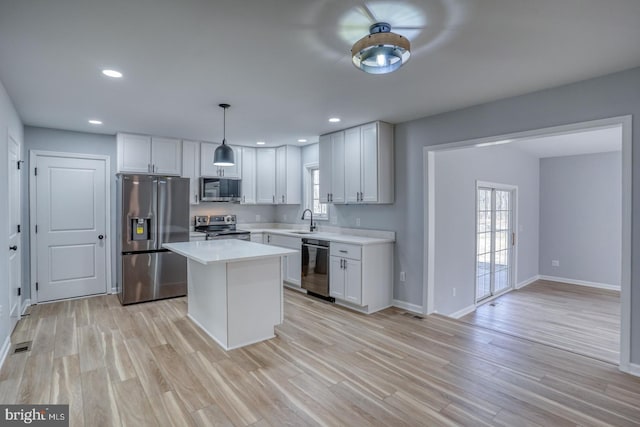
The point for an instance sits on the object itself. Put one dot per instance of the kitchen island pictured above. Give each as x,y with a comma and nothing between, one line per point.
234,289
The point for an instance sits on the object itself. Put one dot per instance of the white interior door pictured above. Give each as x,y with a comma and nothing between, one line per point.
15,247
495,241
71,221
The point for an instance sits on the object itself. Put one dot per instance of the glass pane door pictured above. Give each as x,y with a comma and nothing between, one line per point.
494,241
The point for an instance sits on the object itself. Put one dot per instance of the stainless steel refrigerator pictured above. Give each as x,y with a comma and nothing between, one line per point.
152,210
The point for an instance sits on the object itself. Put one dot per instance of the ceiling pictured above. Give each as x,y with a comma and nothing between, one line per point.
572,144
284,65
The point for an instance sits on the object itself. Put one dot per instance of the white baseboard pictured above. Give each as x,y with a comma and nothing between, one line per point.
4,351
528,281
25,304
630,368
415,308
460,313
581,283
114,290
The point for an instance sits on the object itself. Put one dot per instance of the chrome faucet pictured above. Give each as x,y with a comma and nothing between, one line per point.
312,226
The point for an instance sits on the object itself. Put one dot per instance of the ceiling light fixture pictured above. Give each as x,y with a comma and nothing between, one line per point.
223,156
95,122
302,140
112,73
334,119
260,143
382,51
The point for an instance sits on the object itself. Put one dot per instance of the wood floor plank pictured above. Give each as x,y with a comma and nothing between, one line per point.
66,387
133,406
148,364
98,400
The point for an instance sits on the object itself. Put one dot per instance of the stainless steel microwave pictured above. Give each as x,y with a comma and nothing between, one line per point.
220,190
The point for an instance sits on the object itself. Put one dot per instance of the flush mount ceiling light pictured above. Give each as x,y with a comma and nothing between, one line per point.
95,122
334,120
223,156
260,143
382,51
302,140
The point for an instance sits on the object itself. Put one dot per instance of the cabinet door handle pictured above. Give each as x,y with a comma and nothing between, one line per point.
274,198
196,197
331,196
148,167
283,198
343,251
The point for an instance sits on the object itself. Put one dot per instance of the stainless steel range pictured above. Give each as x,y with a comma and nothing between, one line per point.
220,227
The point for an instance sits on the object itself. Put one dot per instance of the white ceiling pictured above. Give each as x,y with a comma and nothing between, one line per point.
284,65
572,144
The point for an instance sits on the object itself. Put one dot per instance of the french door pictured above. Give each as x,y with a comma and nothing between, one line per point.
495,240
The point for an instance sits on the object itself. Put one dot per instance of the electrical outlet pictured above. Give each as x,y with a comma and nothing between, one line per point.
358,222
257,218
453,292
403,276
555,263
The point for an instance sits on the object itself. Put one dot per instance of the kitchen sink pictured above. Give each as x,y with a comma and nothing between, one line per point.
302,232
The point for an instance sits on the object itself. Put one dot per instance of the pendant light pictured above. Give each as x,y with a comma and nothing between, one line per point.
223,156
382,51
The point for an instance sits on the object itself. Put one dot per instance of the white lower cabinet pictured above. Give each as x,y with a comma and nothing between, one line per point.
361,276
257,237
291,264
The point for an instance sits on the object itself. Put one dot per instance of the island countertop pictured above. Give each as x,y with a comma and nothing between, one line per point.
226,250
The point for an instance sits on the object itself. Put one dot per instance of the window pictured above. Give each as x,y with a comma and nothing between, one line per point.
312,198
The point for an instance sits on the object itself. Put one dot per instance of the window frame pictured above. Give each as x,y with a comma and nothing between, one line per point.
308,191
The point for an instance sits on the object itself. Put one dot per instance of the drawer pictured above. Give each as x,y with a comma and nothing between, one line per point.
345,250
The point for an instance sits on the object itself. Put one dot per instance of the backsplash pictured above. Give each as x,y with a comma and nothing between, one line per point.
244,213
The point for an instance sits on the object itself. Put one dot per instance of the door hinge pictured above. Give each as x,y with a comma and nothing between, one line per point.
35,171
513,239
18,228
19,291
36,228
18,163
36,286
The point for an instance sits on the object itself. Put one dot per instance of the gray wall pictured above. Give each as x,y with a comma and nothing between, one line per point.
44,139
608,96
9,123
456,172
580,217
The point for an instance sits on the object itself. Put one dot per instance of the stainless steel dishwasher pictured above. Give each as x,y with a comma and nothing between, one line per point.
315,267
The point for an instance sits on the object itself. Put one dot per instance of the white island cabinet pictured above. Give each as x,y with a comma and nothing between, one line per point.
234,289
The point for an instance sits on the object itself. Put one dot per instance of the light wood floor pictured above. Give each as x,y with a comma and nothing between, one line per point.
575,318
147,364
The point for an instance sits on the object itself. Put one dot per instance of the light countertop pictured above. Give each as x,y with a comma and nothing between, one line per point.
226,250
332,237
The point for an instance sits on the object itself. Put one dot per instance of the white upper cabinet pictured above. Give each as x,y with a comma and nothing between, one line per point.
363,168
191,168
166,156
134,153
208,169
332,167
288,175
266,175
325,162
146,154
248,185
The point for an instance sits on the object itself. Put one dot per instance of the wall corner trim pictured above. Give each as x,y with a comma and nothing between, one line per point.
631,369
415,308
25,304
460,313
581,283
4,350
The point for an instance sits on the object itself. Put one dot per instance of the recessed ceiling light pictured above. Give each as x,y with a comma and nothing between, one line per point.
112,73
260,143
302,140
334,119
95,122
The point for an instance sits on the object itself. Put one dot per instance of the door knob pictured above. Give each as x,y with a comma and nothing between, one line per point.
100,236
13,248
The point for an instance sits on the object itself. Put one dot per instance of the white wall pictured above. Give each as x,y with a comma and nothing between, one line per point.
581,217
10,123
456,173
